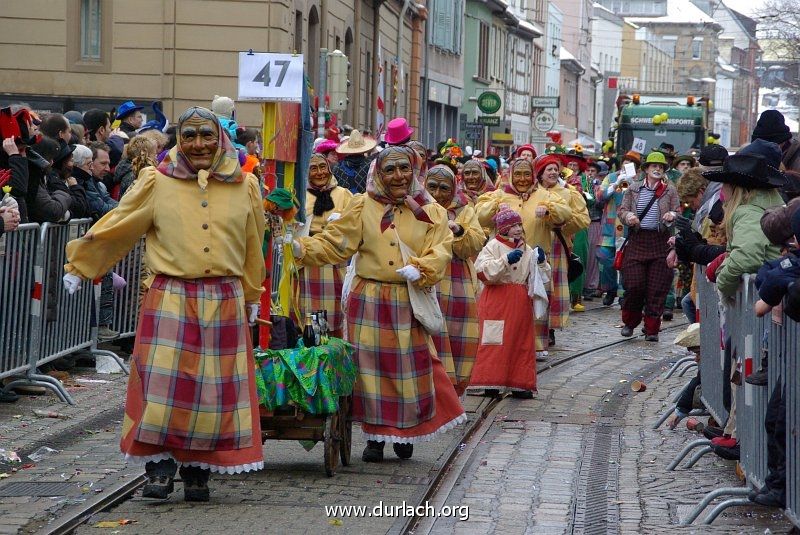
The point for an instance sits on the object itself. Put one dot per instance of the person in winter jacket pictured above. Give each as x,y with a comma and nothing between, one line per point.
130,117
99,169
772,127
61,178
45,204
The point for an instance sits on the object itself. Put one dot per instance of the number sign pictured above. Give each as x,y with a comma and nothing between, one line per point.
639,145
270,77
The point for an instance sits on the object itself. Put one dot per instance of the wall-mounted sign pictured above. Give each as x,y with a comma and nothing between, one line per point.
489,120
270,77
544,122
489,102
545,102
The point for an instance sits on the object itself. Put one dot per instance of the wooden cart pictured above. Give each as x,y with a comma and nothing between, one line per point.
335,430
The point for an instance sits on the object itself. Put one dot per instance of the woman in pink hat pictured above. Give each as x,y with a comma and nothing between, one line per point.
398,132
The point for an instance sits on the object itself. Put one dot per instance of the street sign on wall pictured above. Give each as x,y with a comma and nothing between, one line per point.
489,120
270,77
544,122
489,102
545,102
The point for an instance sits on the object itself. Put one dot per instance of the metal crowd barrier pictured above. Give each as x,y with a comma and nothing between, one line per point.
41,321
748,336
17,260
126,302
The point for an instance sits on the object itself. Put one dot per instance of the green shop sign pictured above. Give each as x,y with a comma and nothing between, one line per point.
489,102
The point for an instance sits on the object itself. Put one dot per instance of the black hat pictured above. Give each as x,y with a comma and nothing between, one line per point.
712,155
753,167
64,151
771,127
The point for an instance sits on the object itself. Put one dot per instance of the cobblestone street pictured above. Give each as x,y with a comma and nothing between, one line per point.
584,444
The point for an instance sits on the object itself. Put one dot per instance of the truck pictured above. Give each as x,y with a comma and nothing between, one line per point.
640,117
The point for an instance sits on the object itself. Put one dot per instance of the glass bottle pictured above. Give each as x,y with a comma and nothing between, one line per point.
315,324
309,337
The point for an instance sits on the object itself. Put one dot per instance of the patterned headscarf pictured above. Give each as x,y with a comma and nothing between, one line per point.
422,161
323,202
486,182
509,188
224,167
417,196
460,199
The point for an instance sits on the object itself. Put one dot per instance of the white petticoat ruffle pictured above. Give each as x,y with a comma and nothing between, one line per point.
422,438
236,469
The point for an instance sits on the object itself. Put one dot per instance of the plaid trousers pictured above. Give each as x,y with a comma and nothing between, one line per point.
646,278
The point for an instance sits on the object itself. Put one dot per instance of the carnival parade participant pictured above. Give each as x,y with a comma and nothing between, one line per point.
526,152
610,193
457,290
647,208
541,210
191,396
321,286
548,175
402,393
596,172
354,162
579,187
476,180
507,350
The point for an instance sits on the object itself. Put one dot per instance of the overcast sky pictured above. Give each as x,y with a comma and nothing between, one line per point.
748,7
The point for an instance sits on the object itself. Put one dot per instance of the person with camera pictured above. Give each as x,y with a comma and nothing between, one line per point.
648,210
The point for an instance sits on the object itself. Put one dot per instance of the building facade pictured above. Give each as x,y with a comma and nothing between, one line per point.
607,60
98,53
647,62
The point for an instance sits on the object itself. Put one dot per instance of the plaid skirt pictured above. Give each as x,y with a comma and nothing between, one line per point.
321,289
191,393
394,356
460,339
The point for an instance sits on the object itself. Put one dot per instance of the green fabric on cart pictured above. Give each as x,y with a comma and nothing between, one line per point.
311,379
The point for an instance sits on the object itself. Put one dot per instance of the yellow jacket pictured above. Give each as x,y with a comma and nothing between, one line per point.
471,241
580,213
537,229
359,230
191,233
341,198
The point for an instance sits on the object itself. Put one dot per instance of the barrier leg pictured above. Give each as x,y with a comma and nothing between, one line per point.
710,497
687,368
697,455
46,381
716,511
664,417
677,365
685,451
117,358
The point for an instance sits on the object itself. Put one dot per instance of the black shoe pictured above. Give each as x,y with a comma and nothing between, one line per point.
651,338
588,296
491,393
402,450
551,338
373,453
158,487
771,498
7,396
626,331
711,432
522,394
608,300
730,454
195,483
667,315
752,494
758,378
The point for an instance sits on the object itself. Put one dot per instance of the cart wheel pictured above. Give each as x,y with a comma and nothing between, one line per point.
332,443
346,430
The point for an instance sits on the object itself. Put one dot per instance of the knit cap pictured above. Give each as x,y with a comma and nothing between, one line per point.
771,126
223,106
505,219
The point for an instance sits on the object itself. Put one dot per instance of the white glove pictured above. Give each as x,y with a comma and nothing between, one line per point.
410,273
335,216
297,249
72,283
252,313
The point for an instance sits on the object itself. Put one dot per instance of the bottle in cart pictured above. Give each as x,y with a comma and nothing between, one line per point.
309,337
315,324
323,326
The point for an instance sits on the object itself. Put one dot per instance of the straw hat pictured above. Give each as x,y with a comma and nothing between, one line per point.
356,144
690,337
